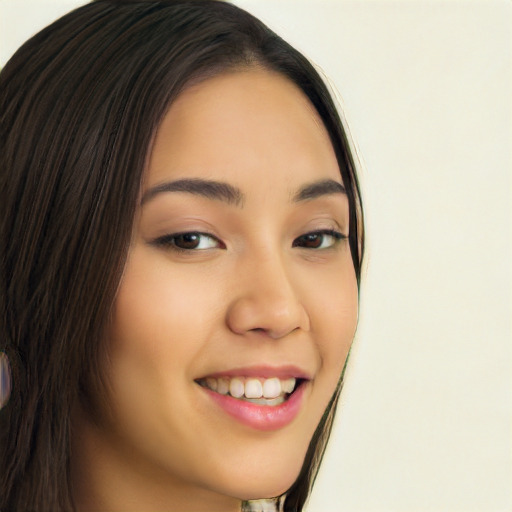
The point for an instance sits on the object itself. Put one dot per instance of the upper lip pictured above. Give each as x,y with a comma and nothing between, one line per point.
264,371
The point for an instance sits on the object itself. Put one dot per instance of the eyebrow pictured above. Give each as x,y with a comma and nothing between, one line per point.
317,189
225,192
210,189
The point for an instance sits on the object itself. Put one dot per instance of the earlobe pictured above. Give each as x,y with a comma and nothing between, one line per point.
5,379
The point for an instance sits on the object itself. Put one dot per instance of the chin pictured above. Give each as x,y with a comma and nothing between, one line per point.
264,492
274,482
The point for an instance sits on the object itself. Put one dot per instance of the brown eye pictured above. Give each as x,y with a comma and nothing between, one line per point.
318,239
311,240
189,241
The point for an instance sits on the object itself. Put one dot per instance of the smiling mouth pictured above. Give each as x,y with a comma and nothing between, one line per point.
257,390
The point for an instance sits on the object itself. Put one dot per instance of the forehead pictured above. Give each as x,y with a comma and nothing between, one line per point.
244,127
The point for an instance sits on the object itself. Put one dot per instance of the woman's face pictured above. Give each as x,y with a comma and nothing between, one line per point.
240,278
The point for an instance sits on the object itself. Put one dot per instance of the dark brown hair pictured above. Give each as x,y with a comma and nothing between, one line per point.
80,103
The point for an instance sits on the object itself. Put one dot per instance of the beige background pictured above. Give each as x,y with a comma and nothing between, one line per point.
426,419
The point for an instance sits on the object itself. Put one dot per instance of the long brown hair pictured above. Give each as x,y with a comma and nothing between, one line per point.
80,103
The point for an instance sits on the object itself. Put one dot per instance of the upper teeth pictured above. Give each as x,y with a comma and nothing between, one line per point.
239,387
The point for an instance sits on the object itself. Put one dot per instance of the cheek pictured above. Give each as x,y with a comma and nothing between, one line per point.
161,319
334,314
160,316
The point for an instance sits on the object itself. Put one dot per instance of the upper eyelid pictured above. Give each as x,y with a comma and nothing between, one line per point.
329,225
171,234
325,229
330,232
335,228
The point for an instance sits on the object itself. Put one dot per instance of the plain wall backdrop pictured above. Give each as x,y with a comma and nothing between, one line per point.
426,417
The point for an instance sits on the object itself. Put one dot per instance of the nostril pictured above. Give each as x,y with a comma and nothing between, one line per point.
272,333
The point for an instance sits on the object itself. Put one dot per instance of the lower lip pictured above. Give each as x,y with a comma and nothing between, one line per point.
260,417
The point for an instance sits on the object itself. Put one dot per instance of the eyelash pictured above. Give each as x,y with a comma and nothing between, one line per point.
336,235
169,241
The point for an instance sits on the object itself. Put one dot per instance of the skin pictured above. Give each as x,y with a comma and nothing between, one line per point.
252,296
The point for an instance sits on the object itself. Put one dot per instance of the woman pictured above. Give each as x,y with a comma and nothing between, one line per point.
181,250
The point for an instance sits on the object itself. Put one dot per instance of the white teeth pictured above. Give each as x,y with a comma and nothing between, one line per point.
222,386
236,388
212,383
289,385
265,401
271,388
253,389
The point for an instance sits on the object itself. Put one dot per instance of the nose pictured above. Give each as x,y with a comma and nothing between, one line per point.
266,300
